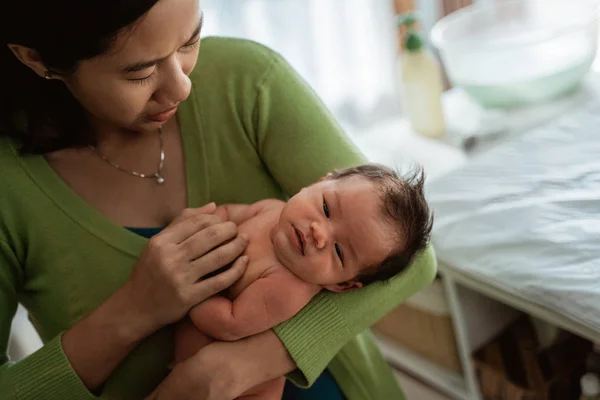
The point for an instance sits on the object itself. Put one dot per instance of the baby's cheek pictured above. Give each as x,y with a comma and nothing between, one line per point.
322,267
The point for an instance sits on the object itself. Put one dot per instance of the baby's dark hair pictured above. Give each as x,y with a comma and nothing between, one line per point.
403,203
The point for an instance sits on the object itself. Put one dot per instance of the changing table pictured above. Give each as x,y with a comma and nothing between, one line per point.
517,225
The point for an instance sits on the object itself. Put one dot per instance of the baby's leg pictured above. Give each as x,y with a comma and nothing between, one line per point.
271,390
188,340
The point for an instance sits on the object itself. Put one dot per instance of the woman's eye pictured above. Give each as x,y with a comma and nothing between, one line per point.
192,45
325,209
195,42
141,81
338,250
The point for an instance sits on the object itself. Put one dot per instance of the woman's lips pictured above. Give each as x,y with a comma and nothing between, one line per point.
163,116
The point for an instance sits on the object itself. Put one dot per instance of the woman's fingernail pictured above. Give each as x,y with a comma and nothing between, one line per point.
245,236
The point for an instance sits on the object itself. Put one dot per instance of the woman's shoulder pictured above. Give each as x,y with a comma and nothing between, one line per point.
17,185
236,47
229,58
9,161
17,191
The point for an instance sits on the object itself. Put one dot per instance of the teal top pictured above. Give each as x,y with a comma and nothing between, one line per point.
251,129
145,232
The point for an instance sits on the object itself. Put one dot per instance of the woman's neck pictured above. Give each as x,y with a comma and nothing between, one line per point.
112,141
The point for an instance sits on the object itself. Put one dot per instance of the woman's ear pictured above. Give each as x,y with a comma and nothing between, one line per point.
30,58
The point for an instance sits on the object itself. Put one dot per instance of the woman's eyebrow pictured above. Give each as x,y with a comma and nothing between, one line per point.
142,65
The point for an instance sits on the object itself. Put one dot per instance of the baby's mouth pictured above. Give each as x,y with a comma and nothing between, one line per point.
300,240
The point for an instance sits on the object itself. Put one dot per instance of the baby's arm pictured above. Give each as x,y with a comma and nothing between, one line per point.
262,305
239,213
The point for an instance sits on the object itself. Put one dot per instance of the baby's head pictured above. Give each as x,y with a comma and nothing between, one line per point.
354,227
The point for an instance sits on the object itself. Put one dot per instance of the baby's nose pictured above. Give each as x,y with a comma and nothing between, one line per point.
319,234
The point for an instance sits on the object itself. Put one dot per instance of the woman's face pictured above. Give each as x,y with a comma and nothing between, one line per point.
139,82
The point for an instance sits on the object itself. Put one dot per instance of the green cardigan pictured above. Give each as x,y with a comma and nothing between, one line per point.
251,129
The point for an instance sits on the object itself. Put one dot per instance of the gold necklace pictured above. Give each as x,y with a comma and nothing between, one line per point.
156,175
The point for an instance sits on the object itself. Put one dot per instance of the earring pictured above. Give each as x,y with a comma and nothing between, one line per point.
48,74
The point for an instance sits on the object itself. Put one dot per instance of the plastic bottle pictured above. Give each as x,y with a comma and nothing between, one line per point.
590,387
422,82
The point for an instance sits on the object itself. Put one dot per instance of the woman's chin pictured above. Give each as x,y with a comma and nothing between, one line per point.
148,126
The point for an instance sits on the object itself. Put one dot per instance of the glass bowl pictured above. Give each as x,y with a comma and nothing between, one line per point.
516,52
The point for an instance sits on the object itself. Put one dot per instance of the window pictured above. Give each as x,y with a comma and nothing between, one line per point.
345,49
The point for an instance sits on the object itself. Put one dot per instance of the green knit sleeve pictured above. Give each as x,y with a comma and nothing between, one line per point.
298,138
299,142
315,335
46,374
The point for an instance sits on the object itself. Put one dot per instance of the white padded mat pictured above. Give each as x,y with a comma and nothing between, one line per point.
525,216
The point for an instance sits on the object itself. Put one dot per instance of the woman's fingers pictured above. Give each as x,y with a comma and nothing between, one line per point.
209,208
164,279
184,227
206,209
211,286
203,241
217,258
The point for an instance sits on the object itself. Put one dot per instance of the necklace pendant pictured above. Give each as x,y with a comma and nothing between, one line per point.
159,179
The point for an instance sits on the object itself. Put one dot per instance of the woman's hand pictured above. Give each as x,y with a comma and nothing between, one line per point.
165,283
168,279
225,370
194,380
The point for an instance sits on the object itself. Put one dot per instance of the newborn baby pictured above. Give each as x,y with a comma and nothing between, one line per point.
353,227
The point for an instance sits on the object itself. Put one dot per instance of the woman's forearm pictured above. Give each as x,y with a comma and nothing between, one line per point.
97,344
245,363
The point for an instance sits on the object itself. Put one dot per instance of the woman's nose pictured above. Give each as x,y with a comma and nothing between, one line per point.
319,234
175,88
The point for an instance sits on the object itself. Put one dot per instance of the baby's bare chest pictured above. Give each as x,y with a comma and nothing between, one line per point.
261,256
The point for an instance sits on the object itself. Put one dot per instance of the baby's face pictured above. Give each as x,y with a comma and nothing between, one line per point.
331,231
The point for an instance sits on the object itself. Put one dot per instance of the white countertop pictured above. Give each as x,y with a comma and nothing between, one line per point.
394,143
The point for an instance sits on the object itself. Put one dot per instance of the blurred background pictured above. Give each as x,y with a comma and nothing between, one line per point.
346,49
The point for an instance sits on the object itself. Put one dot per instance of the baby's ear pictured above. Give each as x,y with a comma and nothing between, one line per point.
328,176
343,286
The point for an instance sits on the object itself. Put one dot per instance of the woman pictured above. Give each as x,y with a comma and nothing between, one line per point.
112,128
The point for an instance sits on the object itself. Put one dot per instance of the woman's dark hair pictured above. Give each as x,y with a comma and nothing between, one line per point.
41,115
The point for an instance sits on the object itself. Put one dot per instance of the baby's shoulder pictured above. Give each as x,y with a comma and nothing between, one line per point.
262,216
266,209
269,205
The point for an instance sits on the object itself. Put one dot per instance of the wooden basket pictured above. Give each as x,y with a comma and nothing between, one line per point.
511,368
